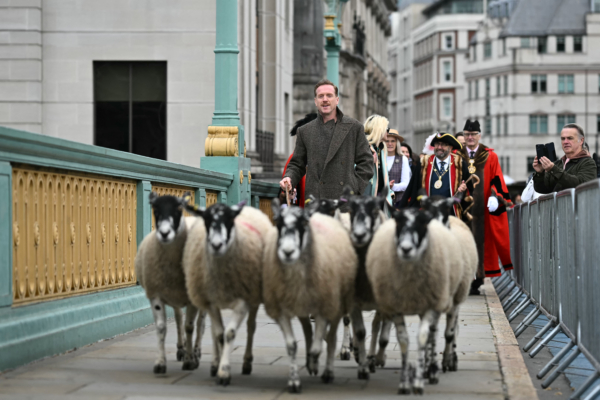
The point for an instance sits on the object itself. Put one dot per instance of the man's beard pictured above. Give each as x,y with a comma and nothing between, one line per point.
442,155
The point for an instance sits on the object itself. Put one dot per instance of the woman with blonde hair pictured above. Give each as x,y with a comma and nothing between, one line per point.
376,128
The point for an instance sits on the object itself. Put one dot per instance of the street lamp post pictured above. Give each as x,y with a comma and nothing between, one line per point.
333,39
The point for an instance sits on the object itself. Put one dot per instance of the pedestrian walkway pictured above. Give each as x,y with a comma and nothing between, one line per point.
121,368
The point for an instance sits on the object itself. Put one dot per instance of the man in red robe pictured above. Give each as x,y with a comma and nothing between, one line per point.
490,201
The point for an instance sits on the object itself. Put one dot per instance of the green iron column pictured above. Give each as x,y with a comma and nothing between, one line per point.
333,39
225,146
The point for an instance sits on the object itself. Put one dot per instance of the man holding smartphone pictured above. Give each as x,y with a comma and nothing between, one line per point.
573,169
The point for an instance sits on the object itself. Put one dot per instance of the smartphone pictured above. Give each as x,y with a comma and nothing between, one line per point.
540,151
550,152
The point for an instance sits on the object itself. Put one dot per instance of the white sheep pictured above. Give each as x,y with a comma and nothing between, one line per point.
159,272
411,275
223,268
309,269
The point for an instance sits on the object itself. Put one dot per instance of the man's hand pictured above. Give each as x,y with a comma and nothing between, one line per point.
462,187
547,165
537,166
392,183
492,204
286,182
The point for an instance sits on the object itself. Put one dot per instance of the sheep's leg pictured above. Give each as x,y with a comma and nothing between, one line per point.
308,335
432,367
285,324
422,339
375,326
384,339
327,376
240,310
251,325
450,360
346,341
190,360
217,336
200,325
402,334
180,337
360,333
317,345
160,319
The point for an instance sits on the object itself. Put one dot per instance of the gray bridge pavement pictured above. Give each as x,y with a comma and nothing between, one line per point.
121,367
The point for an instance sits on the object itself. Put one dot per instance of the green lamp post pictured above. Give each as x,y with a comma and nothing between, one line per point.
333,38
225,146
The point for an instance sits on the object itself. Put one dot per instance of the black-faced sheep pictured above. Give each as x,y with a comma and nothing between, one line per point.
309,269
159,271
223,267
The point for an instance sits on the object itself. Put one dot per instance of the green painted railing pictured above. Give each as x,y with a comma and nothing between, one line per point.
37,326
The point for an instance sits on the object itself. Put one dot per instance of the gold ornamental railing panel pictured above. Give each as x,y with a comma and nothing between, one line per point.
172,190
264,204
72,233
212,197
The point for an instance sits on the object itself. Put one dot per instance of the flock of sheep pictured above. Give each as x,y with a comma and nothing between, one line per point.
313,263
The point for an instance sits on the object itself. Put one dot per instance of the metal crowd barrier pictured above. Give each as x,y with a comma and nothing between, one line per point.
555,249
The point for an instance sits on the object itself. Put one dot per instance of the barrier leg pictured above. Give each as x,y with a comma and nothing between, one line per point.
527,321
512,300
581,390
519,309
545,341
537,337
555,360
593,394
561,368
499,279
503,285
507,291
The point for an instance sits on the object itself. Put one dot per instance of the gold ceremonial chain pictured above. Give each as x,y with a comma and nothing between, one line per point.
438,184
472,168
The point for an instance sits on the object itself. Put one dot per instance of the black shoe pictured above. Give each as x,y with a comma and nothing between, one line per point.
475,287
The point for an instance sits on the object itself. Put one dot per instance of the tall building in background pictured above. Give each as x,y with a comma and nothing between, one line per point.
533,67
400,48
440,47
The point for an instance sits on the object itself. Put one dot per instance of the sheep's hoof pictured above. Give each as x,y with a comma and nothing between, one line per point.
371,361
160,368
380,362
312,364
418,391
327,376
190,365
403,391
294,387
198,353
363,375
247,368
180,353
355,350
225,381
213,370
345,354
454,363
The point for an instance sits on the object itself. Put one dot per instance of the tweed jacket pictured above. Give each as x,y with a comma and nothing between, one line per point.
349,161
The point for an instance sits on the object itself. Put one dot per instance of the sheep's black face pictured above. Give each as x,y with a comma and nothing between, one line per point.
411,233
292,225
220,227
439,207
322,206
168,214
364,216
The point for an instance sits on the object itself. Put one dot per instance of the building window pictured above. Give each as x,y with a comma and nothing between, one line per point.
447,71
538,83
577,44
530,165
476,84
503,46
448,42
498,85
538,124
525,42
498,123
506,84
541,45
560,44
487,50
566,84
595,6
475,52
469,93
447,107
130,100
506,125
488,126
562,120
598,123
487,88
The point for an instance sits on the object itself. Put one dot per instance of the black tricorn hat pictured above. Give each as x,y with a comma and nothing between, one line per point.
308,118
448,139
472,126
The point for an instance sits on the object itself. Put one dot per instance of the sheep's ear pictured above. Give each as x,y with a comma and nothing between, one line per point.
276,208
152,197
238,207
425,217
194,209
186,198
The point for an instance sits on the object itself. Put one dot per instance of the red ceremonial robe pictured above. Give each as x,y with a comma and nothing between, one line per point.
300,188
455,175
496,241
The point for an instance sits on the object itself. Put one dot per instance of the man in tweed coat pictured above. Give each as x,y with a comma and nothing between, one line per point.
332,150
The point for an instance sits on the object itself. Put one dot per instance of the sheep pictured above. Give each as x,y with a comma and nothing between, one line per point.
411,275
159,272
228,275
440,208
309,268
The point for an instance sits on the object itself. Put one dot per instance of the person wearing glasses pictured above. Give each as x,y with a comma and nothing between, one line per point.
490,201
376,130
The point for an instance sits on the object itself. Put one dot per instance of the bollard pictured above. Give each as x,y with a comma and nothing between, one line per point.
537,337
545,341
555,360
561,367
581,390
